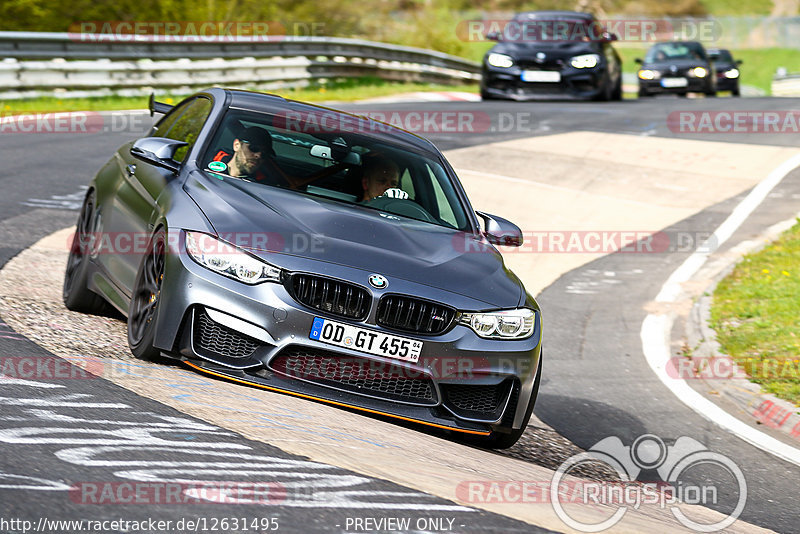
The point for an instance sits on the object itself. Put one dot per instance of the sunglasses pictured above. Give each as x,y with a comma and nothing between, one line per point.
255,147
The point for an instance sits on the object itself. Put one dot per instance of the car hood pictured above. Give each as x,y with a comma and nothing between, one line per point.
290,228
722,66
552,50
679,63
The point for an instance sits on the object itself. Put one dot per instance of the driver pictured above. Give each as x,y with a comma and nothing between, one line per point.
250,149
380,174
253,159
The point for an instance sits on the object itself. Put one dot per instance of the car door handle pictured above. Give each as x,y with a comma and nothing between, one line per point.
130,169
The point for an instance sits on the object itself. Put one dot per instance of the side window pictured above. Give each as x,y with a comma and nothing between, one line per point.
169,119
188,125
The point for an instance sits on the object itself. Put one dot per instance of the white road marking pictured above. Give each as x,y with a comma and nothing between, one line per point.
656,329
73,201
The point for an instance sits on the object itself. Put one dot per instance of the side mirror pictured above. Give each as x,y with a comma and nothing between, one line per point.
739,62
638,60
157,151
499,231
608,37
493,36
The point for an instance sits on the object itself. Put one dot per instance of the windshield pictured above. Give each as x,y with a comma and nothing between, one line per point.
529,30
331,155
722,56
674,51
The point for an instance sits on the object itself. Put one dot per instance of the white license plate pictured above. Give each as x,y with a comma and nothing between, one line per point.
541,76
674,82
363,340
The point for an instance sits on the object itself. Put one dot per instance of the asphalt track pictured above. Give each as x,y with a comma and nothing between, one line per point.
597,383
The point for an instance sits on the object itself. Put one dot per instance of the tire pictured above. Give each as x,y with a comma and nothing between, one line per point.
504,440
735,91
711,94
645,94
617,93
143,310
75,292
608,92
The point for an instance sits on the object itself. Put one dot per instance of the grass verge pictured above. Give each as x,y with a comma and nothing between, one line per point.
348,90
756,314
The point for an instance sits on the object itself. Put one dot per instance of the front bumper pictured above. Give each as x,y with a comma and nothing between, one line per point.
693,85
578,84
727,84
259,335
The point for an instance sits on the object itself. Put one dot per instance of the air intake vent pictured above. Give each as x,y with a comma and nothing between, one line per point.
477,401
215,339
331,296
357,375
410,314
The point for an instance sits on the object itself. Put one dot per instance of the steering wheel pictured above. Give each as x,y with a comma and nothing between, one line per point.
401,206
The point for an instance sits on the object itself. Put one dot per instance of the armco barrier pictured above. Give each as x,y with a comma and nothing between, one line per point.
72,65
788,85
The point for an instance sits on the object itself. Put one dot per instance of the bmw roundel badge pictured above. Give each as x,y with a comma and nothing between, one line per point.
377,281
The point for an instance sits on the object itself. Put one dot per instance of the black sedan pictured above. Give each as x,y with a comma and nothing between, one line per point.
312,252
677,67
727,70
556,54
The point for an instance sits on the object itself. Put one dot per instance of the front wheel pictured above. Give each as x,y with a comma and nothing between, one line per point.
143,310
75,292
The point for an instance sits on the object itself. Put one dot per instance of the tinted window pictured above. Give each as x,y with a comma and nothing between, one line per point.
169,119
675,51
188,125
320,156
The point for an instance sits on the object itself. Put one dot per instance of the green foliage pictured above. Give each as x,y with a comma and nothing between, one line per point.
756,315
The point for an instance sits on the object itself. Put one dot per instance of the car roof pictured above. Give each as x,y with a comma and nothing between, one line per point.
268,103
545,15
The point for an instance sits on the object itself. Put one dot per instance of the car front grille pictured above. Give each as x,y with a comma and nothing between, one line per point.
333,296
357,375
214,339
532,64
414,315
477,401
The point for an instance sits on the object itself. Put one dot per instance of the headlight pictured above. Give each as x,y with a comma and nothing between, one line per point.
586,61
733,73
228,260
698,72
647,74
506,324
499,60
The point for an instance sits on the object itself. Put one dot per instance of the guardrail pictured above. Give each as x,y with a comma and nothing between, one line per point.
786,85
95,64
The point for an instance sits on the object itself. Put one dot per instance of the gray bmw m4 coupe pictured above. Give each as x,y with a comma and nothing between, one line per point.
311,252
